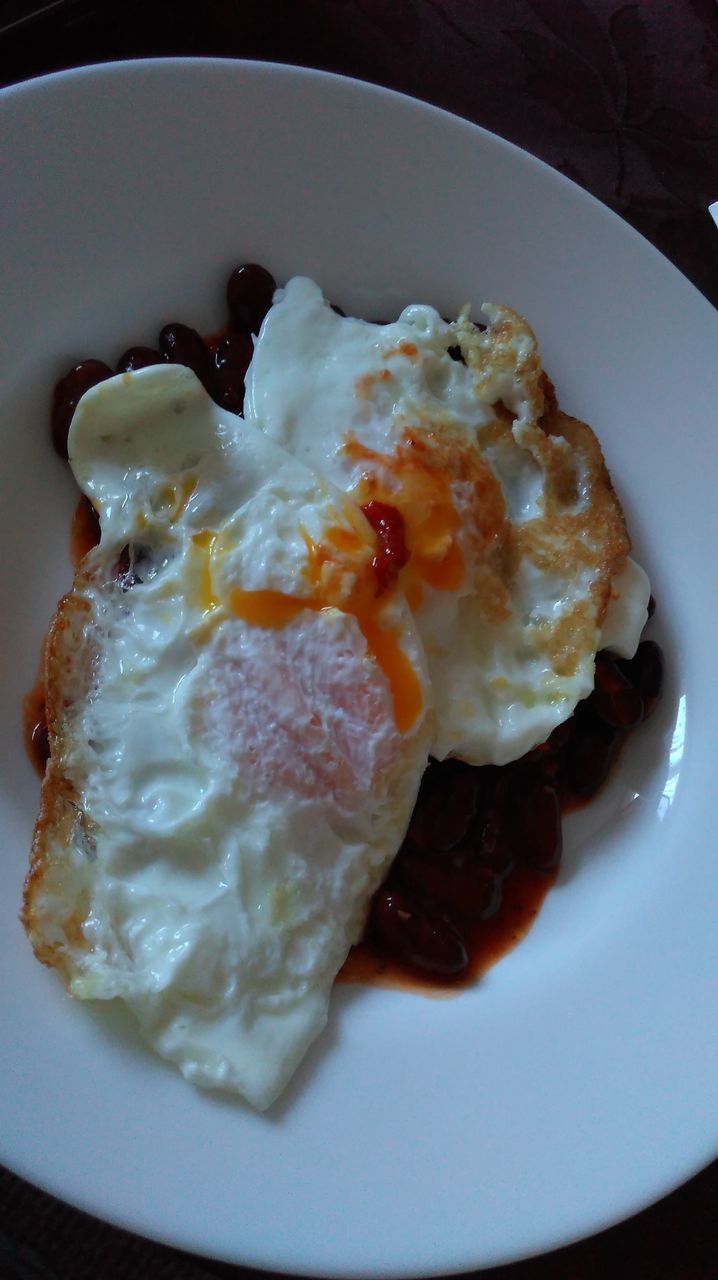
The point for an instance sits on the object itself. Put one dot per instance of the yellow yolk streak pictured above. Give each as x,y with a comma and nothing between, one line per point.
204,543
401,676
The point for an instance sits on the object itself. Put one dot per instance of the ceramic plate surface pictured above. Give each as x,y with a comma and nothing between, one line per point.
577,1081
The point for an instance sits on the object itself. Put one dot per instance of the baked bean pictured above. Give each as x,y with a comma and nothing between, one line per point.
179,344
250,290
420,936
138,358
66,395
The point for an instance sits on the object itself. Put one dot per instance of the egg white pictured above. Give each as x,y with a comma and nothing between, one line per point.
236,790
344,396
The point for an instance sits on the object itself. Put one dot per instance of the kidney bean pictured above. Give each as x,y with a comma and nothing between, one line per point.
489,841
138,358
645,671
445,807
91,520
471,891
550,398
228,390
420,937
234,351
592,751
615,697
537,835
250,290
486,841
232,359
40,743
179,344
553,745
67,393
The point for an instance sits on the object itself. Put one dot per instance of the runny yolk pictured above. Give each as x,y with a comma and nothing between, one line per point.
328,572
340,575
268,608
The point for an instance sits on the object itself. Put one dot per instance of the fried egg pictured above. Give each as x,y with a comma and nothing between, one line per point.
518,568
238,728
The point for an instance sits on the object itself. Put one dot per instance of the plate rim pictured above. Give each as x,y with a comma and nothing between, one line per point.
173,64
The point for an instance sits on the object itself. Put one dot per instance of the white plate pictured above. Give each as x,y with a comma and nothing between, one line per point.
577,1081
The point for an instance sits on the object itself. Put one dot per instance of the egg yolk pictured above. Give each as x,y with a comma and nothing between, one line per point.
340,572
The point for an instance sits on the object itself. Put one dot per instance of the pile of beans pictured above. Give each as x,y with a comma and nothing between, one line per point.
479,835
220,365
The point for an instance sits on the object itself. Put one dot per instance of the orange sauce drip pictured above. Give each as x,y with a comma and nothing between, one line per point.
404,348
401,676
364,385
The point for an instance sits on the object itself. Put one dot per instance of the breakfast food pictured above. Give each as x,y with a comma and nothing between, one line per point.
402,549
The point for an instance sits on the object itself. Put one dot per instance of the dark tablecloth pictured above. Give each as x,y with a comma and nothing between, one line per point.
623,98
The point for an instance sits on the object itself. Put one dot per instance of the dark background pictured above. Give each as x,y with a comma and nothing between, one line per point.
623,98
